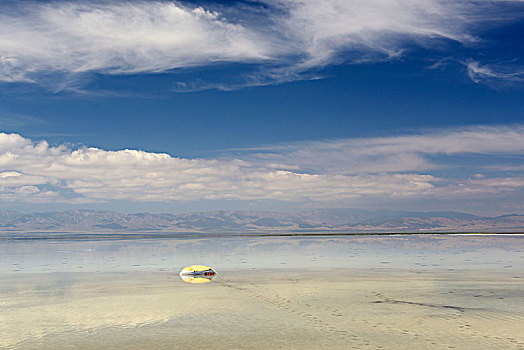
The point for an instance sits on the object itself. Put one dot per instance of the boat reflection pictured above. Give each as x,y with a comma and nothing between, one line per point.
199,279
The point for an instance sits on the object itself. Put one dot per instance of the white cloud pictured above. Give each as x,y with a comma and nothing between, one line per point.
96,174
69,38
118,37
500,183
480,72
393,154
481,188
344,170
368,28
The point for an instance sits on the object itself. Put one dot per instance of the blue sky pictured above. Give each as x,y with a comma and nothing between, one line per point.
273,105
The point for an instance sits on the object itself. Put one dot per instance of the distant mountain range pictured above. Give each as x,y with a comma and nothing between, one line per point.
322,220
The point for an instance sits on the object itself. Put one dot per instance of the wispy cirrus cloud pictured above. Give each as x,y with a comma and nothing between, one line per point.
118,38
369,30
60,41
495,72
404,153
340,171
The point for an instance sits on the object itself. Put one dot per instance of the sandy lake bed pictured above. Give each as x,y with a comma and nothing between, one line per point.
379,292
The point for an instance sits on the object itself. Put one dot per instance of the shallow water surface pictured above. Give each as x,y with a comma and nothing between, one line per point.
373,292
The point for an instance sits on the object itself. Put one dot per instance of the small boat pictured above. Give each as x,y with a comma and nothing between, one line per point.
197,271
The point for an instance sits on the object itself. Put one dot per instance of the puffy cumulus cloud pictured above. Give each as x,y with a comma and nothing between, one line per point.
318,172
15,186
68,38
405,153
37,170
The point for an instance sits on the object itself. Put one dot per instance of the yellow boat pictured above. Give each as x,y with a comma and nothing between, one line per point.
198,270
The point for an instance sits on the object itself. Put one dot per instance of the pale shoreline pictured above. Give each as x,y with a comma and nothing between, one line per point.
197,235
292,309
332,292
